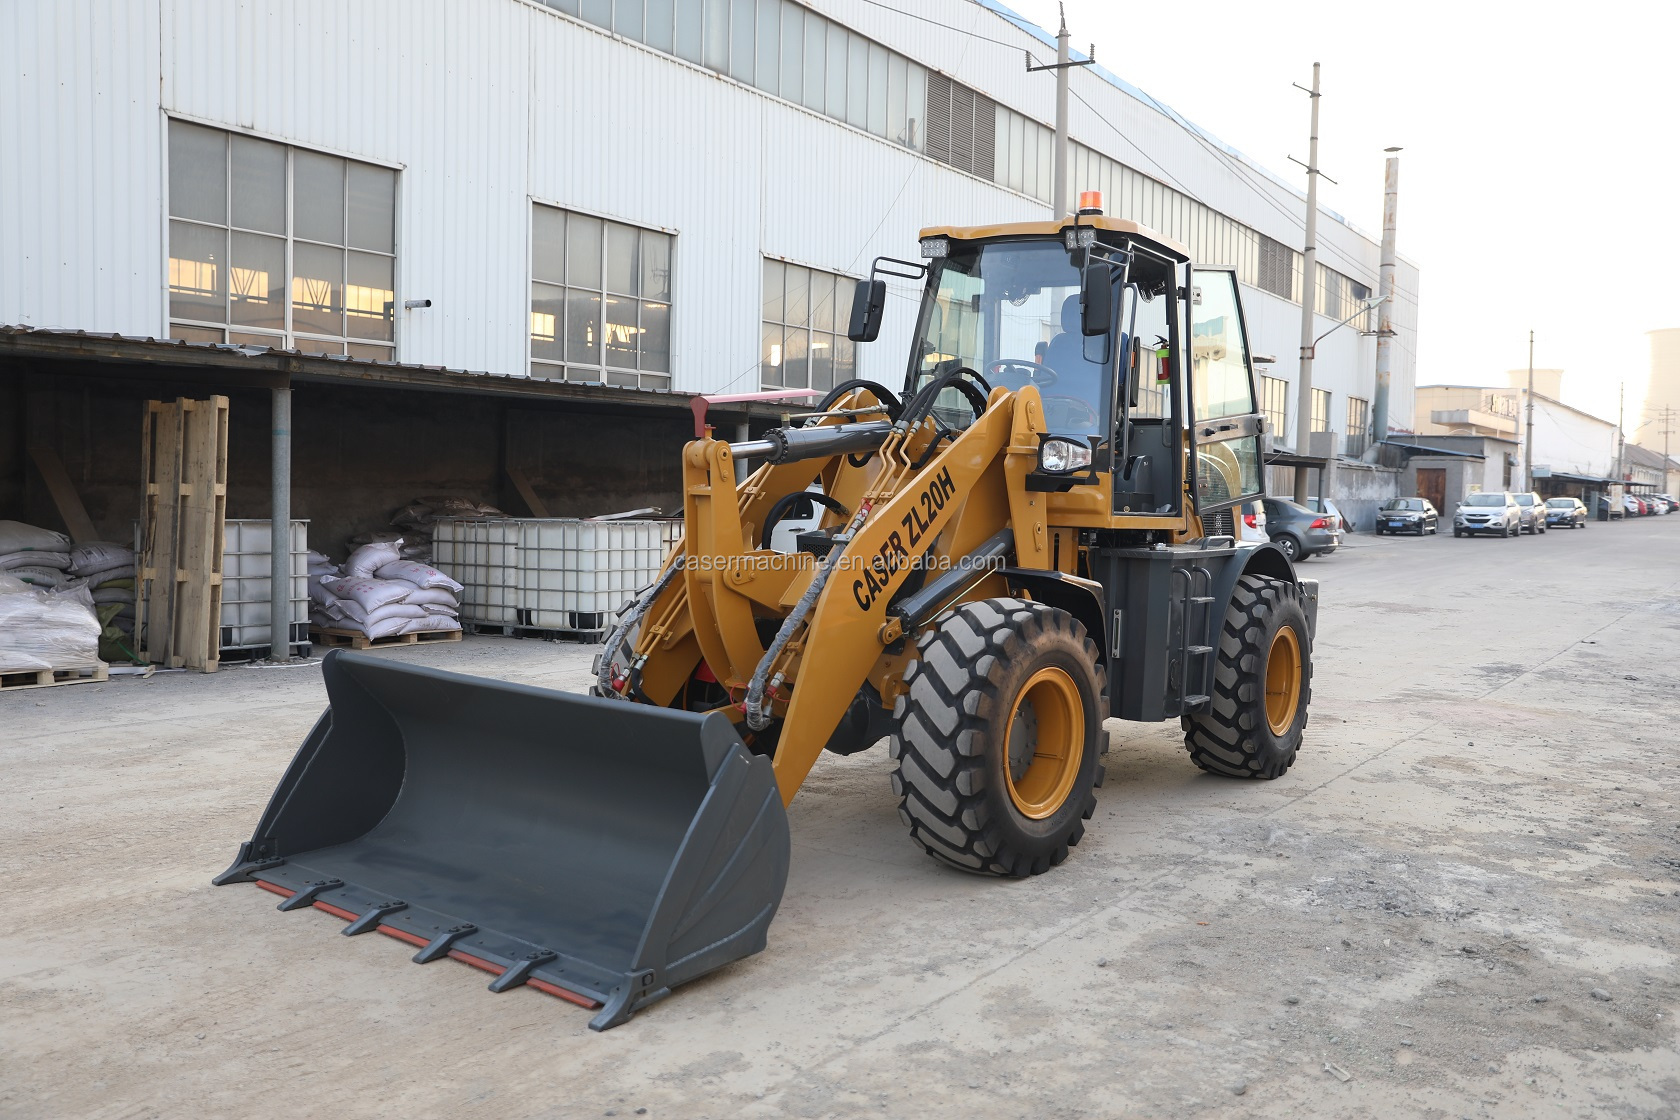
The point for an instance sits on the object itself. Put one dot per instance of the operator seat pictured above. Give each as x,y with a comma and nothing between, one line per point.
1065,354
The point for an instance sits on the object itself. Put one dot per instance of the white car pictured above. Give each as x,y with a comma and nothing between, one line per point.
1489,511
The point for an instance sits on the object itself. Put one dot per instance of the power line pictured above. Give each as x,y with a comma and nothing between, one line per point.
1242,172
937,23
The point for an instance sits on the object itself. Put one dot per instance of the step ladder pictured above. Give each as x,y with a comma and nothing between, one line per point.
1190,672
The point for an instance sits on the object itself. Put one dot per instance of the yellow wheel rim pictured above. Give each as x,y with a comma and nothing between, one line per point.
1283,680
1044,744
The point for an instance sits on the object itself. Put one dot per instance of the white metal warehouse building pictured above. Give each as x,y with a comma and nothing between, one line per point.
648,194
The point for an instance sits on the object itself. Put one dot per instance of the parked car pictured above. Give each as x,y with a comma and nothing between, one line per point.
1533,512
1299,531
1608,510
1318,505
1408,515
1633,505
1253,523
1490,511
1668,499
1565,513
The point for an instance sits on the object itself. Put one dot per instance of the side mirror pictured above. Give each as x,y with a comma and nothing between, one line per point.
1096,301
869,302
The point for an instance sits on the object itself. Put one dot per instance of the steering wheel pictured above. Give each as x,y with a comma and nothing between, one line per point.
1029,373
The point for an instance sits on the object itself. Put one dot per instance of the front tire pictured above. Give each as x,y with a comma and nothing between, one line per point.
997,737
1262,685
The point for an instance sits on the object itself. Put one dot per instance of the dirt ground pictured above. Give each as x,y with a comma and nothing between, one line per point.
1461,901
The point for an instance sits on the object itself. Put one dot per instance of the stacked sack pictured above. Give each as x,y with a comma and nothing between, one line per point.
108,572
38,557
45,627
380,594
102,574
418,517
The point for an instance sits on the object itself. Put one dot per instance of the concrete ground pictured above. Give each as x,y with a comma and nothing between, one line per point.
1461,901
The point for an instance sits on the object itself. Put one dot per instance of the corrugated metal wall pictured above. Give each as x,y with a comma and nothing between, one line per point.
484,106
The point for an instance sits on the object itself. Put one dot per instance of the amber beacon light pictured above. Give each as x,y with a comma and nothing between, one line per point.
1090,202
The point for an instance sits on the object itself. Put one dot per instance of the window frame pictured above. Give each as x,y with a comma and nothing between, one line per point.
601,371
286,336
1358,434
1321,419
844,286
1277,419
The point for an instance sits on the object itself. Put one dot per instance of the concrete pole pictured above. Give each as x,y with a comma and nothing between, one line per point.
1528,433
1059,181
280,488
1309,289
1621,433
1385,313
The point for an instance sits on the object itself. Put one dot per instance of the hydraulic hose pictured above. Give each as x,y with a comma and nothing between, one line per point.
603,672
888,399
759,713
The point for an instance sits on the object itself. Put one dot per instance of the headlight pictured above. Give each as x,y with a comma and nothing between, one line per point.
1062,456
934,248
1079,237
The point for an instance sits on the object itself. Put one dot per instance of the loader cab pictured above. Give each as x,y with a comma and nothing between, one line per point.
1157,382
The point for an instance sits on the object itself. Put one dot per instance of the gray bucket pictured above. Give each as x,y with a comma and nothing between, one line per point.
600,850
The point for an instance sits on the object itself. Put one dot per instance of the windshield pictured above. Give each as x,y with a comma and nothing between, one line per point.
1525,499
1486,500
1562,503
1404,503
1010,311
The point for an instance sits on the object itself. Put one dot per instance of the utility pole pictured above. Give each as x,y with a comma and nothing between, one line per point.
1385,316
1621,433
1059,180
1528,436
1309,290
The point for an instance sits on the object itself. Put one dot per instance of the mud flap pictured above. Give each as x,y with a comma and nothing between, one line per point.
600,850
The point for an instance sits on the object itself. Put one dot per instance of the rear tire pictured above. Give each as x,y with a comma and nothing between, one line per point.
985,674
1254,724
1290,546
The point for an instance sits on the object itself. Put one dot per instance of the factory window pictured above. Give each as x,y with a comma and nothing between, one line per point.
804,324
271,245
1321,410
1274,402
1277,268
1358,426
600,301
781,48
962,126
1023,149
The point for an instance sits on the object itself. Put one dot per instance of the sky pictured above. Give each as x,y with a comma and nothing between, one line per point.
1540,177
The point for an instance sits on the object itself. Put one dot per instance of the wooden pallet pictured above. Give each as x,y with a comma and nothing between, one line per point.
184,470
46,678
355,639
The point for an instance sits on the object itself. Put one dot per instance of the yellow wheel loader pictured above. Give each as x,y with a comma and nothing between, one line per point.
1038,533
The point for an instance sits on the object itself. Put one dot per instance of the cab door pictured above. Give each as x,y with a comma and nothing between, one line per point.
1224,421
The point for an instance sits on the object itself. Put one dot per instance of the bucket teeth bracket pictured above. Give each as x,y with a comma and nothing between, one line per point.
520,970
371,918
439,945
306,893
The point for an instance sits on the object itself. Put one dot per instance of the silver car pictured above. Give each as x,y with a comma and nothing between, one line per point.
1491,511
1533,512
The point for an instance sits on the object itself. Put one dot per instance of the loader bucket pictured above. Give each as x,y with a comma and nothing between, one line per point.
595,849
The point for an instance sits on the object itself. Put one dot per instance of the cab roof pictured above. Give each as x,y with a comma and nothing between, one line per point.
1054,229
